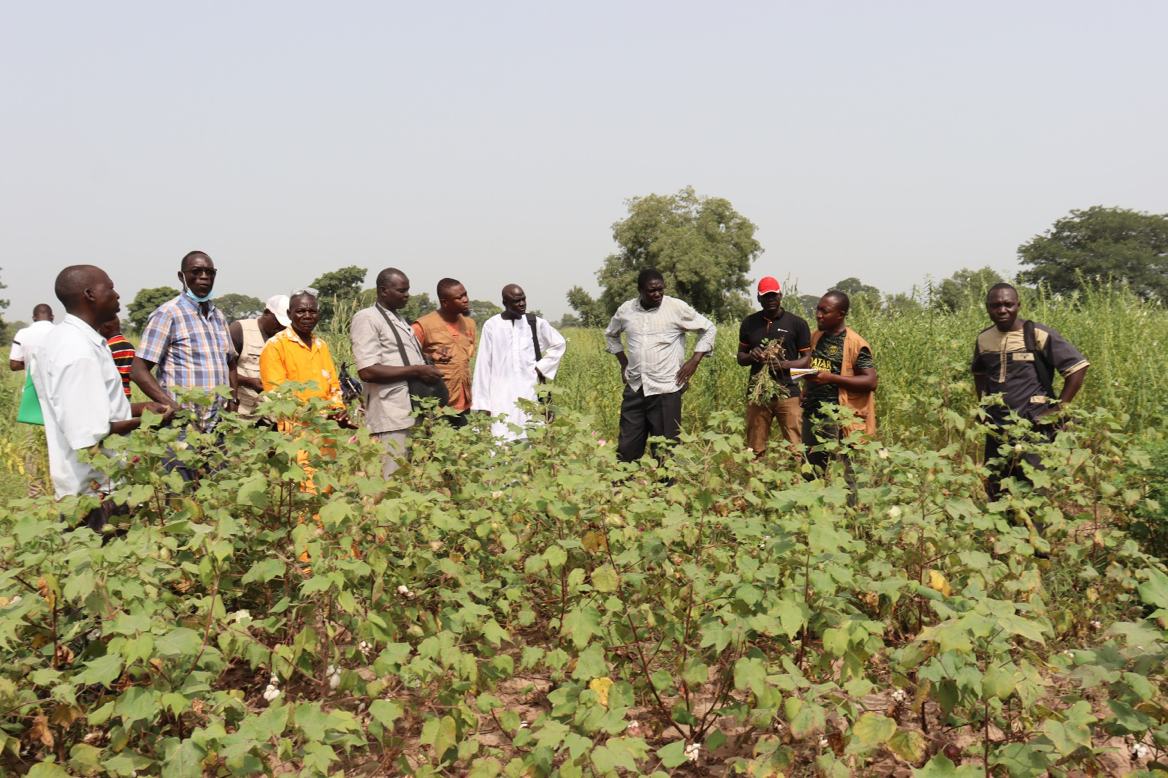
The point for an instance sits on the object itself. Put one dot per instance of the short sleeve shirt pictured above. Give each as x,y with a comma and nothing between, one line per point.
788,329
26,340
387,406
1009,368
191,351
829,356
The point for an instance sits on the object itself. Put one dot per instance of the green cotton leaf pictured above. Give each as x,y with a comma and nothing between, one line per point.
446,738
494,633
1022,760
672,755
873,729
940,767
386,712
908,745
809,719
835,641
178,642
750,673
485,767
590,663
604,579
1128,721
619,752
998,682
790,616
263,571
556,557
581,623
103,671
47,770
1155,590
254,491
1074,731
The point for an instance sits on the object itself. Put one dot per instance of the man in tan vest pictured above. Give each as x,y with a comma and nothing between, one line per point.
448,337
846,378
249,337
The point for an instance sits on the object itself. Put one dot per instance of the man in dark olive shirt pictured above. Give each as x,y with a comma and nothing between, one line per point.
773,325
1005,363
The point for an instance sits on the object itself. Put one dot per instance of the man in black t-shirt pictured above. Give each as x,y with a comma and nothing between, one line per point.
773,325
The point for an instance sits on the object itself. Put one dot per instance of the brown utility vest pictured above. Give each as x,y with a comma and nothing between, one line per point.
438,341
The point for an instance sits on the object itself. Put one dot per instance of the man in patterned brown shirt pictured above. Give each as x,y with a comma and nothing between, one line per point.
1014,358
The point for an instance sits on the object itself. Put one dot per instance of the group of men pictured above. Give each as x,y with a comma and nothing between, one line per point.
82,368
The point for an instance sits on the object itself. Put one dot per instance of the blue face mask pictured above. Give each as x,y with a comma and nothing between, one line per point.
196,298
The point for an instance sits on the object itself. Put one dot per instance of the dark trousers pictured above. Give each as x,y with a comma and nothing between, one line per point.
642,417
816,432
1000,447
97,518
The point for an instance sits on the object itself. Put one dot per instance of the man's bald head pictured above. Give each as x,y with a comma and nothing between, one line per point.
74,280
514,302
191,257
390,274
42,312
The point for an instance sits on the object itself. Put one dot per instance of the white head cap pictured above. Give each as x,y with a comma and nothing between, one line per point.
278,305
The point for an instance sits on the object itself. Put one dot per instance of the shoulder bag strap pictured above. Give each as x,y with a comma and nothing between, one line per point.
397,336
534,336
1040,361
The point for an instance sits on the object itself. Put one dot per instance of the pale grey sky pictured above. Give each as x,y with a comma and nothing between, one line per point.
497,142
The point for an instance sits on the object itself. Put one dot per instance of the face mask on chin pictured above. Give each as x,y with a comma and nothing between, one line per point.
196,298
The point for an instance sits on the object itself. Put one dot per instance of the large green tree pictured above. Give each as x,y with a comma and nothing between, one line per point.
859,292
338,289
145,303
965,287
590,312
1099,244
236,307
702,246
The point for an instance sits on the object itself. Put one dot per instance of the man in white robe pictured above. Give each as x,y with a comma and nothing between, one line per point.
507,369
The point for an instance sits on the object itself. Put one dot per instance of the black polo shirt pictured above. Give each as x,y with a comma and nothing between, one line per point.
788,328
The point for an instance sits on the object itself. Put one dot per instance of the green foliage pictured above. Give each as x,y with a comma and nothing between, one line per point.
702,246
336,288
236,307
418,306
590,312
966,288
653,617
1101,244
145,303
481,310
858,292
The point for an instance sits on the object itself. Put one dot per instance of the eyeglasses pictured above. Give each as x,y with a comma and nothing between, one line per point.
201,271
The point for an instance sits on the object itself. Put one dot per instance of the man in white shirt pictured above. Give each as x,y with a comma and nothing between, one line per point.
79,387
509,366
27,339
653,370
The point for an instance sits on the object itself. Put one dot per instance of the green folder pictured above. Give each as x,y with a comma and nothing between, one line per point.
30,405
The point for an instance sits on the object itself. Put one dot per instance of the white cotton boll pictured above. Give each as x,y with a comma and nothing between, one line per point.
894,512
330,670
275,680
15,600
94,634
692,752
403,589
335,681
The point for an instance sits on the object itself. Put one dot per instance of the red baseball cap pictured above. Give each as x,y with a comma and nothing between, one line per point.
768,285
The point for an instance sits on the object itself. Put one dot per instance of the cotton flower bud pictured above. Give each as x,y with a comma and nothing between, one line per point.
894,512
1018,447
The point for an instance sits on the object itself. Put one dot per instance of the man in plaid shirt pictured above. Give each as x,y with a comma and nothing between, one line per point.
188,340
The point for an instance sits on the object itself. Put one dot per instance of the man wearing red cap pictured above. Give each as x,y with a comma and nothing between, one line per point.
773,325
